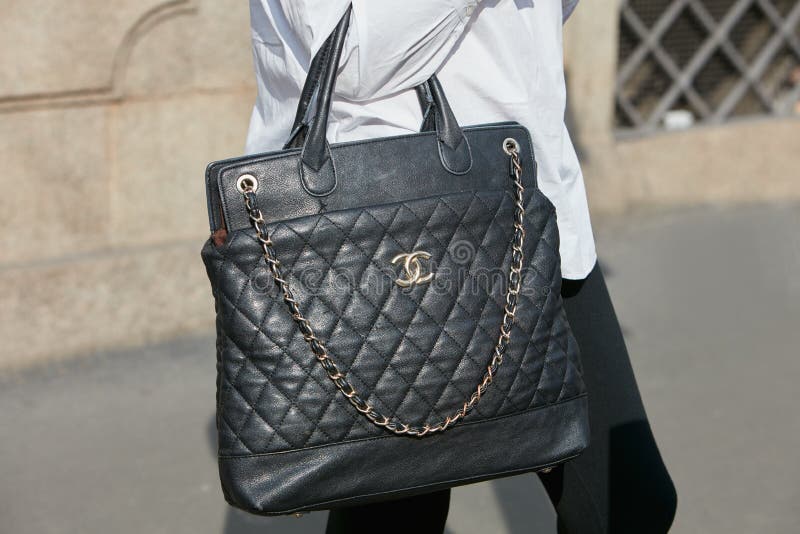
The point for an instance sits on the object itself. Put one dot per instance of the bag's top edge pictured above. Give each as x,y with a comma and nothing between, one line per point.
227,163
218,190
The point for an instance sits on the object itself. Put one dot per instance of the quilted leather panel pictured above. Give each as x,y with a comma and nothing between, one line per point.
414,353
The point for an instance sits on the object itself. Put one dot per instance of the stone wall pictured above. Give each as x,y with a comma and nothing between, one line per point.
113,108
106,125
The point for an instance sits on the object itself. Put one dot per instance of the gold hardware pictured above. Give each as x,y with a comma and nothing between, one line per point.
412,270
510,145
246,181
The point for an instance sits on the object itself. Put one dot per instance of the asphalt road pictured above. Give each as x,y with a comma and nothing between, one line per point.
709,300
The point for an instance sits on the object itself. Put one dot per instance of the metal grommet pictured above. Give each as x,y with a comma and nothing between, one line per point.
247,180
510,144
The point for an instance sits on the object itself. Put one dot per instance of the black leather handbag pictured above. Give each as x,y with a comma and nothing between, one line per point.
389,317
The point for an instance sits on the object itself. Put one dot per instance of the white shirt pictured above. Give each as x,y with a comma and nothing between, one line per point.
499,60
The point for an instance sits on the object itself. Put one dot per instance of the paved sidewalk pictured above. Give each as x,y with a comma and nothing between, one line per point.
710,303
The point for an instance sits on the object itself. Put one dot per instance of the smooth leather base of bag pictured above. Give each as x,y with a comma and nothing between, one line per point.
345,474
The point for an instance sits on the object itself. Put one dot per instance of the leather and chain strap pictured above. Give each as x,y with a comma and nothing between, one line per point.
247,186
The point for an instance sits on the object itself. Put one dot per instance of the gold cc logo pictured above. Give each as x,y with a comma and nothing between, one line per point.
412,270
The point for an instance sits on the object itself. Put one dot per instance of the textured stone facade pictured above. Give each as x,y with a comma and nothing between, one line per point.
106,126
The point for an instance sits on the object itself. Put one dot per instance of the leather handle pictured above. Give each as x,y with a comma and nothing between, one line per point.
300,126
317,172
316,166
428,103
428,107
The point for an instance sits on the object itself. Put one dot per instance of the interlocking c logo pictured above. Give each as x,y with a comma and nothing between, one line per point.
412,270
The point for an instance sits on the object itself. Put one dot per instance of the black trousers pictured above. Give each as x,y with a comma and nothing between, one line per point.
619,484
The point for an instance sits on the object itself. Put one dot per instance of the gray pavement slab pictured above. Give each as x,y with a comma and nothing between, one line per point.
709,299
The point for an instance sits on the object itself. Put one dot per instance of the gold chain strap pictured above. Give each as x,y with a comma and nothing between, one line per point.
247,186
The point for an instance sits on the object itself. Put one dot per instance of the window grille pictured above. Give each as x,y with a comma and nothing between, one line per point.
685,62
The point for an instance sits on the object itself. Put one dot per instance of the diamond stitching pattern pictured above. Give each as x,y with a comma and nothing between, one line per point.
377,308
274,395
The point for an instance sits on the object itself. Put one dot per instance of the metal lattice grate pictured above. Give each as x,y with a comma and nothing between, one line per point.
683,62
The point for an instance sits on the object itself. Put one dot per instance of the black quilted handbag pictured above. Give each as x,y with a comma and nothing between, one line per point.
389,317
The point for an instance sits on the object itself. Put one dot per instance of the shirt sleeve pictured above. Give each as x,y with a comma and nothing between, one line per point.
392,45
